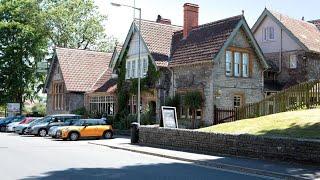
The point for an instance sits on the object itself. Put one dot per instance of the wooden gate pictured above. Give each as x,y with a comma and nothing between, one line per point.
222,115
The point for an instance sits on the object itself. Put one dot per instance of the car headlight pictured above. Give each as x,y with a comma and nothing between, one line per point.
58,133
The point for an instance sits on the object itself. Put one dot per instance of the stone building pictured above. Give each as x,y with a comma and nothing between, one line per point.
291,48
221,60
155,40
72,73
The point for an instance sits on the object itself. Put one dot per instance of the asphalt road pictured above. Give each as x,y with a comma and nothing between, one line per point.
29,157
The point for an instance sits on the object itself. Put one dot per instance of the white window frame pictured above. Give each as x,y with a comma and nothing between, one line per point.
102,104
245,65
228,63
293,61
237,63
268,34
145,66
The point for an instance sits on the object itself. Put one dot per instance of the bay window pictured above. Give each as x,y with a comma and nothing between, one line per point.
245,64
237,59
228,63
237,63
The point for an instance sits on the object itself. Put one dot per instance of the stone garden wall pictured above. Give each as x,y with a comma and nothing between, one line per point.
236,145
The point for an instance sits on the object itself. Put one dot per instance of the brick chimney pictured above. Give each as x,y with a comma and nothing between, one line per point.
190,18
163,20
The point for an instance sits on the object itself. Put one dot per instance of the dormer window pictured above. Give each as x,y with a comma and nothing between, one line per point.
268,34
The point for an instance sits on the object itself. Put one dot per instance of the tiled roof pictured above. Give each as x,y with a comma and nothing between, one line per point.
157,37
307,33
81,68
106,75
202,43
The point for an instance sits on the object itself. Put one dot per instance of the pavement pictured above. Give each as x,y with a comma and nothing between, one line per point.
30,157
265,168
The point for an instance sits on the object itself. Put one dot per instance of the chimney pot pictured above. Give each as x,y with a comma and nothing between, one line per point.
190,19
163,20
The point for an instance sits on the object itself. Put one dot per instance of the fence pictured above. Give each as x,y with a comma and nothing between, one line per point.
304,95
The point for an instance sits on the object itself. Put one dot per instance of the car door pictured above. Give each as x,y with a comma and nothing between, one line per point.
89,129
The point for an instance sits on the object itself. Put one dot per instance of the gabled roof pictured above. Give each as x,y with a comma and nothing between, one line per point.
207,42
80,68
156,37
115,55
306,34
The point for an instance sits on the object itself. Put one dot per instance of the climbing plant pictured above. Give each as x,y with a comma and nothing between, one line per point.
125,88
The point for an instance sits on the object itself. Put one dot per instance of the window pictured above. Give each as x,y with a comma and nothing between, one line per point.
237,63
237,101
128,65
145,66
102,104
237,59
133,104
58,96
133,69
228,63
293,62
245,65
268,34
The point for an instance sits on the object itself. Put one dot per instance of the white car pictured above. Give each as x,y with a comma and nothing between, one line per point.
11,126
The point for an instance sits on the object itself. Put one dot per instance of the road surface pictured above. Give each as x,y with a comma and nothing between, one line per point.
29,157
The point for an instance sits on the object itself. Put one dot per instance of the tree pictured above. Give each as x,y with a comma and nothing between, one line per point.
76,24
23,43
193,100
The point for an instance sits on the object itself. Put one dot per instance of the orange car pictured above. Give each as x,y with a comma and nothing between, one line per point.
85,128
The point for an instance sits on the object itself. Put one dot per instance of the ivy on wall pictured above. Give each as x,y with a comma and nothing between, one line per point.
125,88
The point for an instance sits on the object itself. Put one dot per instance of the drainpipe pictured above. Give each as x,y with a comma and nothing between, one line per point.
280,54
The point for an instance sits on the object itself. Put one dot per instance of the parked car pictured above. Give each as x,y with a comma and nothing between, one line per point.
21,128
42,128
12,126
8,120
85,128
53,130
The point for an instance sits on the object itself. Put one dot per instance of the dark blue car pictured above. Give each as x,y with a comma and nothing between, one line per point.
8,120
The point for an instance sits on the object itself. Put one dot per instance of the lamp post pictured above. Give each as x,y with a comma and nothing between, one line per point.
139,59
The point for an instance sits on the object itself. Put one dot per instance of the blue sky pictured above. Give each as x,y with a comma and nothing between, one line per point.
120,18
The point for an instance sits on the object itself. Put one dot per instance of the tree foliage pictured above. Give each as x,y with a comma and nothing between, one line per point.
29,28
193,100
23,43
76,24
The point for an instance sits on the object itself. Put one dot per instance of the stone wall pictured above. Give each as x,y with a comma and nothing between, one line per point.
236,145
308,67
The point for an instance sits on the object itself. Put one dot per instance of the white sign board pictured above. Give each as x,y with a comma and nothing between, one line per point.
169,117
13,108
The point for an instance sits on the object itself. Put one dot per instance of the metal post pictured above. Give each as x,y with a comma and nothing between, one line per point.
139,67
139,60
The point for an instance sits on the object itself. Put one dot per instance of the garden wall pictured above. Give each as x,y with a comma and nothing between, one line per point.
236,145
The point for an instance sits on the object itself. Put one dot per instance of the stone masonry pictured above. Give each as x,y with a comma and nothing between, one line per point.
283,149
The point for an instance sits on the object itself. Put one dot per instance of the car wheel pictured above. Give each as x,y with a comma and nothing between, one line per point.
42,132
3,129
23,131
107,135
73,136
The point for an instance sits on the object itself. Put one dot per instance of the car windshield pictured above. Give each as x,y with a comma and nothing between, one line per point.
36,121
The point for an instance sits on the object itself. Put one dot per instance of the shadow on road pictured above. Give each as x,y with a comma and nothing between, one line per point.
153,171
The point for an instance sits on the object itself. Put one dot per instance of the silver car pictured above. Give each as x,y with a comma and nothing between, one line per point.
53,130
21,128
